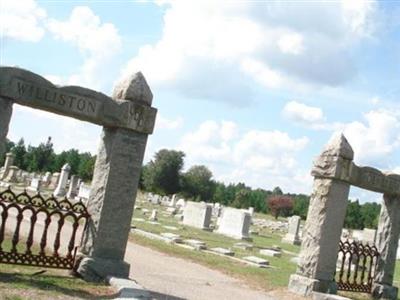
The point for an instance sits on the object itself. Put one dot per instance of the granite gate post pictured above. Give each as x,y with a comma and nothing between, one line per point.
387,243
114,187
325,219
5,117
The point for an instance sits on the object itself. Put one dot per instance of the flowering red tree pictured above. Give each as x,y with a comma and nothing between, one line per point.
280,205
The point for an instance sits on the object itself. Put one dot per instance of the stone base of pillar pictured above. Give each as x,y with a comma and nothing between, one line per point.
305,286
98,269
383,291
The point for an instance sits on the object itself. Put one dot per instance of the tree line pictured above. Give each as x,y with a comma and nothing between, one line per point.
164,175
43,159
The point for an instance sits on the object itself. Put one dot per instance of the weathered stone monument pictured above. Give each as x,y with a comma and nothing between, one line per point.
35,185
73,187
60,190
127,120
334,172
292,237
7,164
54,180
235,223
197,215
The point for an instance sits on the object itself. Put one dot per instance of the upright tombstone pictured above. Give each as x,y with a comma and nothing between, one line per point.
35,185
73,187
292,237
60,191
323,228
84,191
235,223
12,174
54,180
7,164
369,236
114,185
46,178
197,215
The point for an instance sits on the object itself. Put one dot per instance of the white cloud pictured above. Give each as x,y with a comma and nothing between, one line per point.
259,158
275,43
303,114
21,20
169,124
98,43
377,139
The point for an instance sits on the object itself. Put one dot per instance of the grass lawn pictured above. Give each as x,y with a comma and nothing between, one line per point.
276,277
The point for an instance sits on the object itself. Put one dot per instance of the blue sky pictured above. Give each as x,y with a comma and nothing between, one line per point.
252,89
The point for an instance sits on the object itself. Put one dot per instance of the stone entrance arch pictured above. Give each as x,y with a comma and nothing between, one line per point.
127,119
334,172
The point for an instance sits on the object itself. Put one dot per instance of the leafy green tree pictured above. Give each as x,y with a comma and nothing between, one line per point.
370,214
301,203
354,218
242,198
277,191
8,146
86,166
162,175
40,158
19,151
197,183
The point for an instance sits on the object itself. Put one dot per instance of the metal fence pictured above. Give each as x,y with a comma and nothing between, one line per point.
36,231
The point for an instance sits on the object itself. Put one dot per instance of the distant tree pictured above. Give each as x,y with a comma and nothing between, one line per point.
370,214
40,158
277,191
243,198
301,203
19,151
162,175
280,205
86,166
197,183
354,218
7,148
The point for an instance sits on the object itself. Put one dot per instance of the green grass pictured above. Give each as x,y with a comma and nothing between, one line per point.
25,282
267,279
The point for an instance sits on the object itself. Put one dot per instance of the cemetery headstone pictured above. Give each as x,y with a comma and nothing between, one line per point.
60,191
292,237
197,215
235,223
73,187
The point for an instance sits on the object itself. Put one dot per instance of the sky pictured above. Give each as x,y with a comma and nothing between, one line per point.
251,89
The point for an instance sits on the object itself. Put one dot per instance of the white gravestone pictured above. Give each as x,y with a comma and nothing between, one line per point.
197,215
35,185
60,191
292,237
154,216
369,236
84,191
235,223
73,187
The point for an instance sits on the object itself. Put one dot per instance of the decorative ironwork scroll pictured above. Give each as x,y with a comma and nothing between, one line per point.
34,231
357,264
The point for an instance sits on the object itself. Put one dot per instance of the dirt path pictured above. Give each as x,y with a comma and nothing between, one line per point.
172,278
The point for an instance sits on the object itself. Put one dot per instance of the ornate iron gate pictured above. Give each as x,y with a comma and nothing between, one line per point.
357,266
43,220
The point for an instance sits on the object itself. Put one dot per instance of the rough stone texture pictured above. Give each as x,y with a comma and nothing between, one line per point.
323,228
60,191
235,223
387,243
292,237
29,89
112,199
197,215
134,88
5,117
383,291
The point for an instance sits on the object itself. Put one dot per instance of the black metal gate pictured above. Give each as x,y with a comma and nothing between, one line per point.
357,264
39,232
